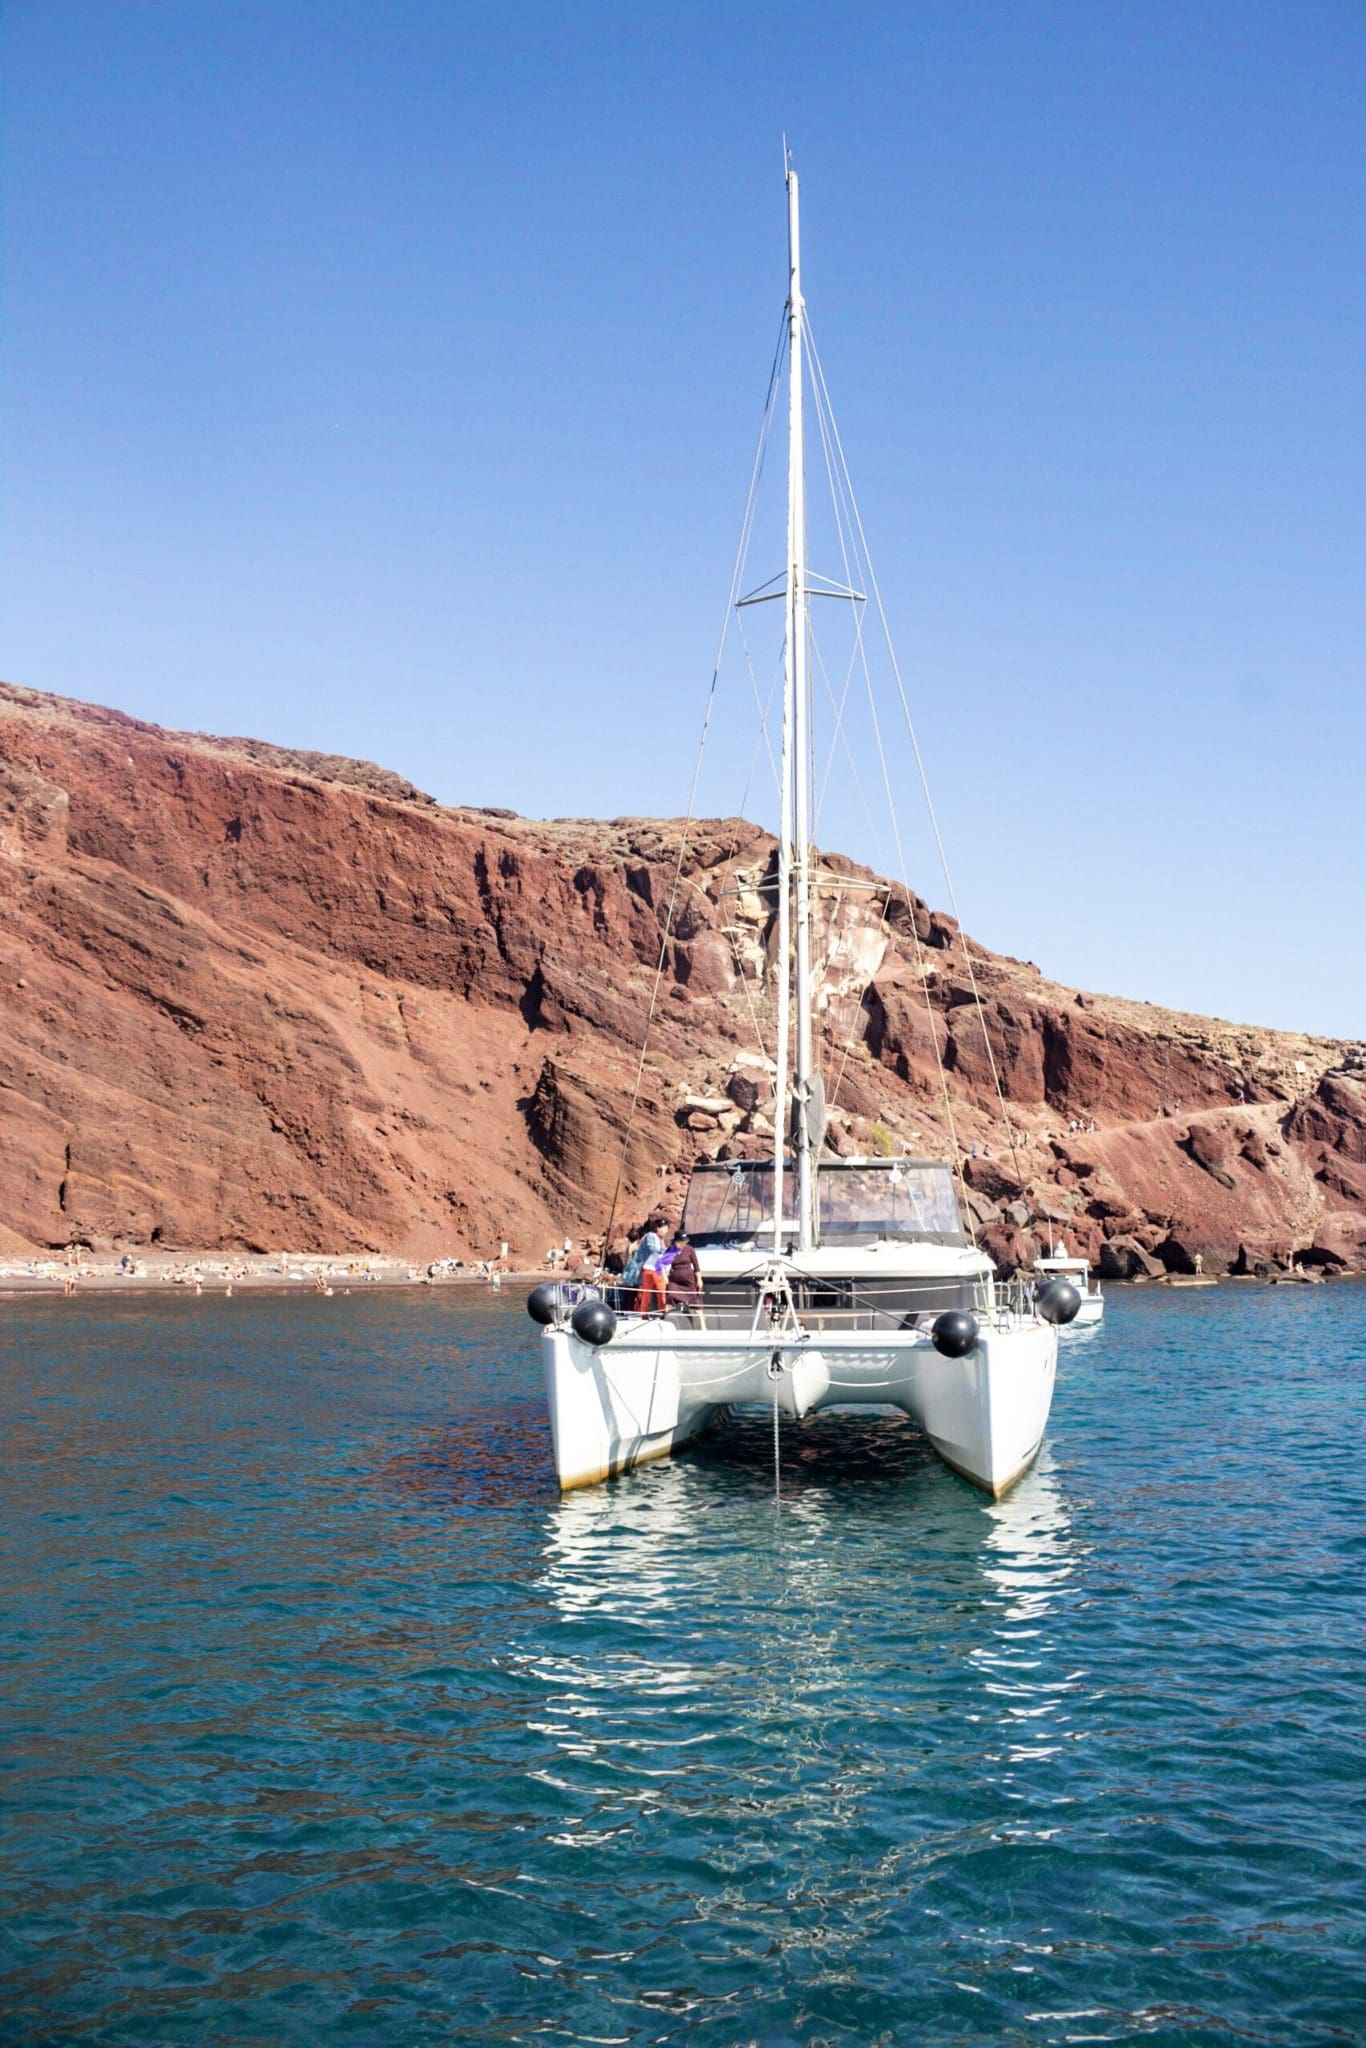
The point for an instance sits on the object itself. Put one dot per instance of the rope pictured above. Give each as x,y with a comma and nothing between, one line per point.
837,495
728,870
841,734
820,387
762,708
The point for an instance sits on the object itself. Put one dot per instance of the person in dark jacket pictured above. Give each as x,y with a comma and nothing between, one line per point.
685,1281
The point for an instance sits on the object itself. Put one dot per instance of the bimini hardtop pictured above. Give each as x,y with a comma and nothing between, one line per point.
820,1281
892,1305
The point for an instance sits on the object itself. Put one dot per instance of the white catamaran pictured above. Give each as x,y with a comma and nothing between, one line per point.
826,1282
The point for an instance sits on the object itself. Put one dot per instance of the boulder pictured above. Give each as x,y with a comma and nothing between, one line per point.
1179,1250
1339,1241
1009,1250
1252,1147
1256,1262
748,1088
707,1105
1211,1148
1123,1258
1106,1200
991,1178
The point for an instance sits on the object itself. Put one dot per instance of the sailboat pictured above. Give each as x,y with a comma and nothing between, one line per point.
827,1282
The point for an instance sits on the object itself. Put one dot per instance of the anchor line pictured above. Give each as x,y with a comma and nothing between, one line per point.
777,1460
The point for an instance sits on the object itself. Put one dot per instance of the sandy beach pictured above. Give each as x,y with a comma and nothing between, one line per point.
157,1272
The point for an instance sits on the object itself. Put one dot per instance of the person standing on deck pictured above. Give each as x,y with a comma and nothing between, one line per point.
685,1280
654,1279
633,1265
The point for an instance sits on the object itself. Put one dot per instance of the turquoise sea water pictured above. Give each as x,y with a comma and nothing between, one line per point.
324,1719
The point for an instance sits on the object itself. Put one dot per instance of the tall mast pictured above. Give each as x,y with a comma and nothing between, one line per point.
797,707
782,965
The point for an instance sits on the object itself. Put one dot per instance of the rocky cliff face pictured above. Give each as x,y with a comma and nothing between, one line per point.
264,999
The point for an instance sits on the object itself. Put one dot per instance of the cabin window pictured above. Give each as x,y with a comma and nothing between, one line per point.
856,1200
905,1198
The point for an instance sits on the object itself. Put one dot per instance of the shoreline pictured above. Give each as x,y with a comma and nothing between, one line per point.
321,1273
163,1273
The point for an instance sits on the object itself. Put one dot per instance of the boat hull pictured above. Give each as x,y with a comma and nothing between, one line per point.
656,1386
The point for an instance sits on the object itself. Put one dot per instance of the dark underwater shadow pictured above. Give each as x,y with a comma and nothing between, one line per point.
864,1450
500,1457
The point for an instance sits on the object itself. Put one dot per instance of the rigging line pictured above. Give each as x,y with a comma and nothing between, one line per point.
818,388
729,869
833,1085
737,572
852,1032
842,490
821,973
832,1046
762,708
838,709
818,381
838,733
841,733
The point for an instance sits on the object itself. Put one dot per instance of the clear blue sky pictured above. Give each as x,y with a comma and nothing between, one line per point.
384,378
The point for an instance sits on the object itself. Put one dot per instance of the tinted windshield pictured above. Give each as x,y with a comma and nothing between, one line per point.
904,1198
730,1201
899,1198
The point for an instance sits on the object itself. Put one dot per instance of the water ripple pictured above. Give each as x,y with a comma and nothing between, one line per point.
327,1718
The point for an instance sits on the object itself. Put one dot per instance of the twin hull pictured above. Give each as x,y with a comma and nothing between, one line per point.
654,1386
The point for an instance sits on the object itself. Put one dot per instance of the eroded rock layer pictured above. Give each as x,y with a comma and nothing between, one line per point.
256,998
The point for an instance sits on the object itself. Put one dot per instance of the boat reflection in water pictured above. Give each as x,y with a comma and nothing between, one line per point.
1030,1559
814,1666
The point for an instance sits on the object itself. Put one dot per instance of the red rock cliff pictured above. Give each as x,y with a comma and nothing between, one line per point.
257,998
